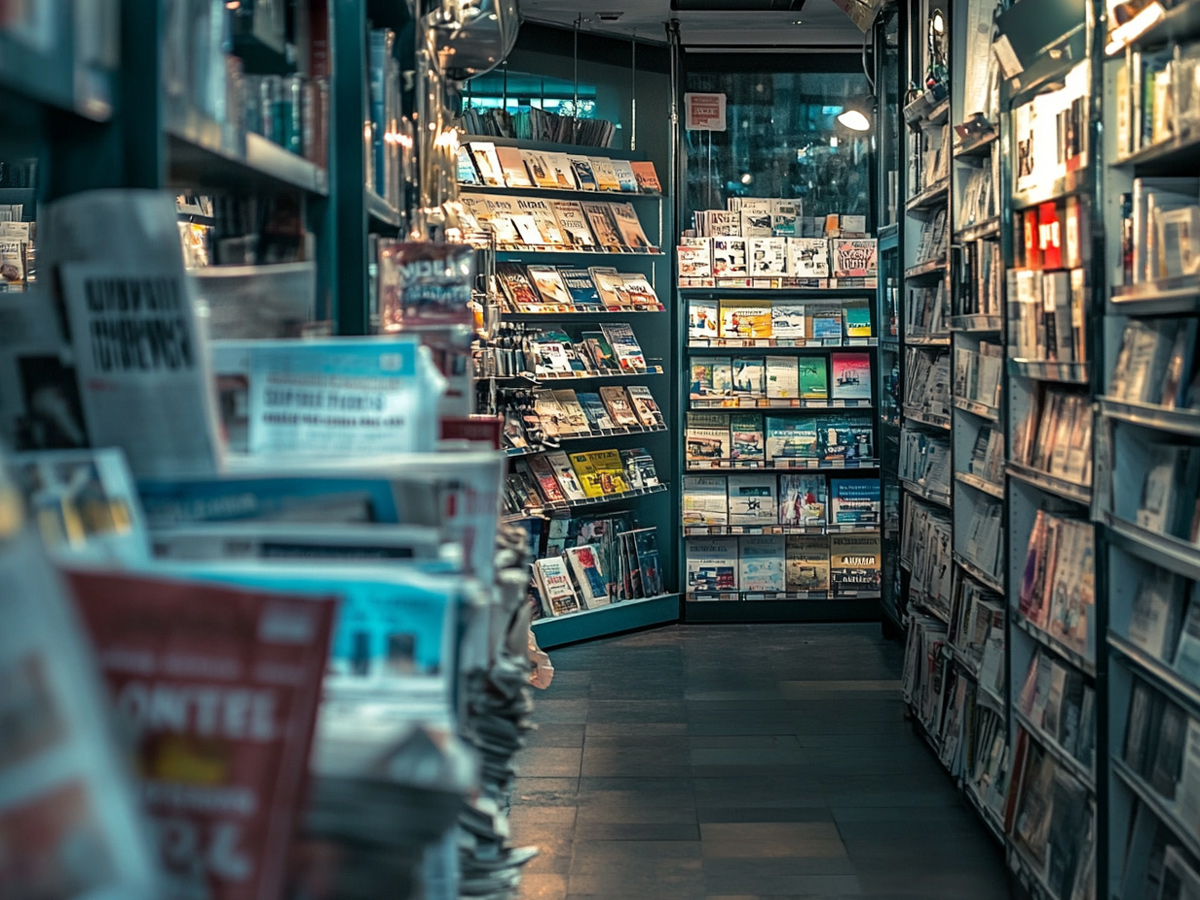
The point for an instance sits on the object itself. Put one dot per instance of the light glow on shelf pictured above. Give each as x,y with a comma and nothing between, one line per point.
1124,35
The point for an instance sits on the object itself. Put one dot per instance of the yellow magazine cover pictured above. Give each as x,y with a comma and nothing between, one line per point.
601,472
745,319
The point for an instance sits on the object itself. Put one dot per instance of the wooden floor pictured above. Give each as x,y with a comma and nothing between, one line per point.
730,762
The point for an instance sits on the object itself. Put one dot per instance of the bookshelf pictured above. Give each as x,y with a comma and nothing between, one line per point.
1147,559
740,472
502,385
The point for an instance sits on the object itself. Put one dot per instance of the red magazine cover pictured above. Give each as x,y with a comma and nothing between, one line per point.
1050,236
221,686
1033,255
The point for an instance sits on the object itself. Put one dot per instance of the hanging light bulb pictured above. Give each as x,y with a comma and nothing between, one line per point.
855,120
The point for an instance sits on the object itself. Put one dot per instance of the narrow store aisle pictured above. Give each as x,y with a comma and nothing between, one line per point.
748,761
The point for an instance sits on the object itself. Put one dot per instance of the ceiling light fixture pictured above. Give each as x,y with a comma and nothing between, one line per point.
854,118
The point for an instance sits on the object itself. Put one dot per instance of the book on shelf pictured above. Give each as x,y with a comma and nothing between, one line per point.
857,320
601,472
1156,199
548,283
707,437
978,374
791,438
1171,480
553,580
782,378
465,167
983,545
1154,362
788,320
855,563
1156,614
851,376
746,437
807,563
597,413
761,563
752,500
712,565
540,171
703,320
574,419
545,478
705,500
605,172
803,499
925,460
826,323
1055,437
598,354
748,376
590,583
812,377
609,284
854,501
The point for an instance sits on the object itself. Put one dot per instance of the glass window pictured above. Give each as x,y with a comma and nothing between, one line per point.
512,91
782,138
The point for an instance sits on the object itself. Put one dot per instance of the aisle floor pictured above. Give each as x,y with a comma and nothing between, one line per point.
737,762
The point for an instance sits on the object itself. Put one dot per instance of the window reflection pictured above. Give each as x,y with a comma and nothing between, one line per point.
783,140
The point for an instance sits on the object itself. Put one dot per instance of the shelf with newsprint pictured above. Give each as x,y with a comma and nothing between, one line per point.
580,374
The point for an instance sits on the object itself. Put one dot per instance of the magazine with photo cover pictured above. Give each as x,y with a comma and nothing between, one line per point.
761,563
625,344
620,407
553,580
802,499
625,175
539,169
601,472
746,436
808,257
599,353
609,283
487,162
467,173
606,175
590,581
851,376
581,168
502,215
566,476
547,479
574,223
695,258
703,319
647,177
645,542
562,170
550,287
788,321
728,257
708,437
544,219
807,563
753,500
574,418
855,563
712,565
640,470
604,226
581,287
629,227
813,377
857,258
782,378
250,739
596,412
645,406
637,293
142,364
512,165
84,504
746,319
767,255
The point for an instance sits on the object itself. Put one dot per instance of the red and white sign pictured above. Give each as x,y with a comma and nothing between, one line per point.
704,112
222,685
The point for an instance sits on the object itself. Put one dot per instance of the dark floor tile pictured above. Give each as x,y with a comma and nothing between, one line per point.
798,832
640,729
542,886
759,814
666,854
750,869
561,712
666,783
557,735
638,762
826,887
607,814
638,831
549,762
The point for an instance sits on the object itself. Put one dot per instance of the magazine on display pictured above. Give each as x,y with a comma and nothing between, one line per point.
712,565
807,563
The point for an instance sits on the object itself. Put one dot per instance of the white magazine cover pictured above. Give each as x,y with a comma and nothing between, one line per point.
140,347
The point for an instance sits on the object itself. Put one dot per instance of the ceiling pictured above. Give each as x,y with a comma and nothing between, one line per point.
823,23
